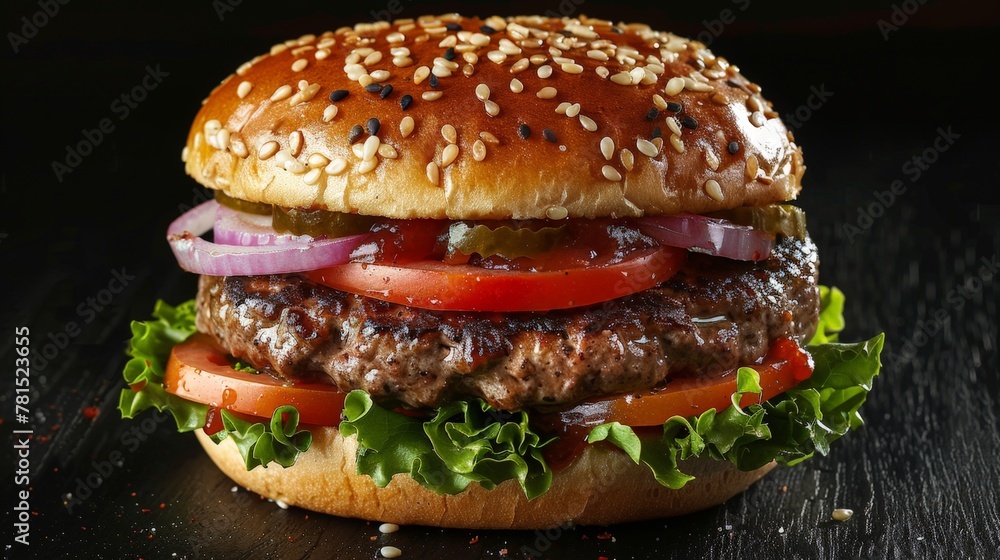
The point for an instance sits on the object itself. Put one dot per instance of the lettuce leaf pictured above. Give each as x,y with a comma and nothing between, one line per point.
787,429
466,441
259,443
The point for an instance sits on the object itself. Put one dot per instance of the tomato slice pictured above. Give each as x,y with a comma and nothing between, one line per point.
784,367
198,370
435,285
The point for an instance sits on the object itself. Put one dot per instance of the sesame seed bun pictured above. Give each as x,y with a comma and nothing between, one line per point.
602,486
529,117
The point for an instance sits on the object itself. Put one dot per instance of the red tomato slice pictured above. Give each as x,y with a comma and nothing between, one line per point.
435,285
199,371
784,367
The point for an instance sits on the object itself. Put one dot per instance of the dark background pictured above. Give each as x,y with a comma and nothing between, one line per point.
922,477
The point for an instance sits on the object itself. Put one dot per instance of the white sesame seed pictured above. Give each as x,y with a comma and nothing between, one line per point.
520,66
449,133
711,159
390,551
628,160
244,89
449,41
433,173
677,143
659,102
646,147
752,167
713,190
399,51
588,123
607,147
312,176
537,59
395,37
352,58
508,47
368,165
402,61
448,155
329,113
336,167
597,55
492,109
373,58
655,68
283,92
387,528
445,63
406,126
674,86
387,151
482,92
573,110
479,39
757,119
622,79
317,160
516,86
295,166
571,68
544,71
556,212
610,173
421,74
489,138
636,75
267,149
547,92
278,49
371,147
355,71
380,75
184,154
431,95
479,150
358,150
222,139
842,514
497,57
300,65
560,60
561,108
674,125
295,140
305,95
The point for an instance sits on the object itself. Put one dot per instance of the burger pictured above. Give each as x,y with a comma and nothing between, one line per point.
498,273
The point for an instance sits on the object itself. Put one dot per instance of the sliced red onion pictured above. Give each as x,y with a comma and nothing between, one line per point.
233,227
197,255
708,235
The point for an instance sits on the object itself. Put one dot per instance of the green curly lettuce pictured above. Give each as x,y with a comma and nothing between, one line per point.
788,429
259,443
466,441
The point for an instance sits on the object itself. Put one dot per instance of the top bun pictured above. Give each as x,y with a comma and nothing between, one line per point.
523,117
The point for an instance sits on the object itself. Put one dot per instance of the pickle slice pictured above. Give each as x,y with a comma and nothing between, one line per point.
242,205
504,241
319,222
779,219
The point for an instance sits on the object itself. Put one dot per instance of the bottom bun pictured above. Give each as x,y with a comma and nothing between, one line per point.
601,487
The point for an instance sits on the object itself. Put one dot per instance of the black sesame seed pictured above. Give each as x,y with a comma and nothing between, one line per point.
549,135
689,122
404,102
652,114
674,107
733,83
338,94
356,132
698,64
449,54
524,131
617,30
386,91
373,88
733,147
657,133
487,30
434,81
453,27
565,32
373,125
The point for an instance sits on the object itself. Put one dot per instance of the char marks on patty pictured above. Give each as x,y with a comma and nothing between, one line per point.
713,315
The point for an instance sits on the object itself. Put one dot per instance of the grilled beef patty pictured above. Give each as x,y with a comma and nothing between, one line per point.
715,314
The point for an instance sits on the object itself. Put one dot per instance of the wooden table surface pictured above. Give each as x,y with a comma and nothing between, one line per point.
83,256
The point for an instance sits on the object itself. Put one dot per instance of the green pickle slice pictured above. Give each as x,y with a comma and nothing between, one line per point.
242,205
319,222
505,241
779,219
